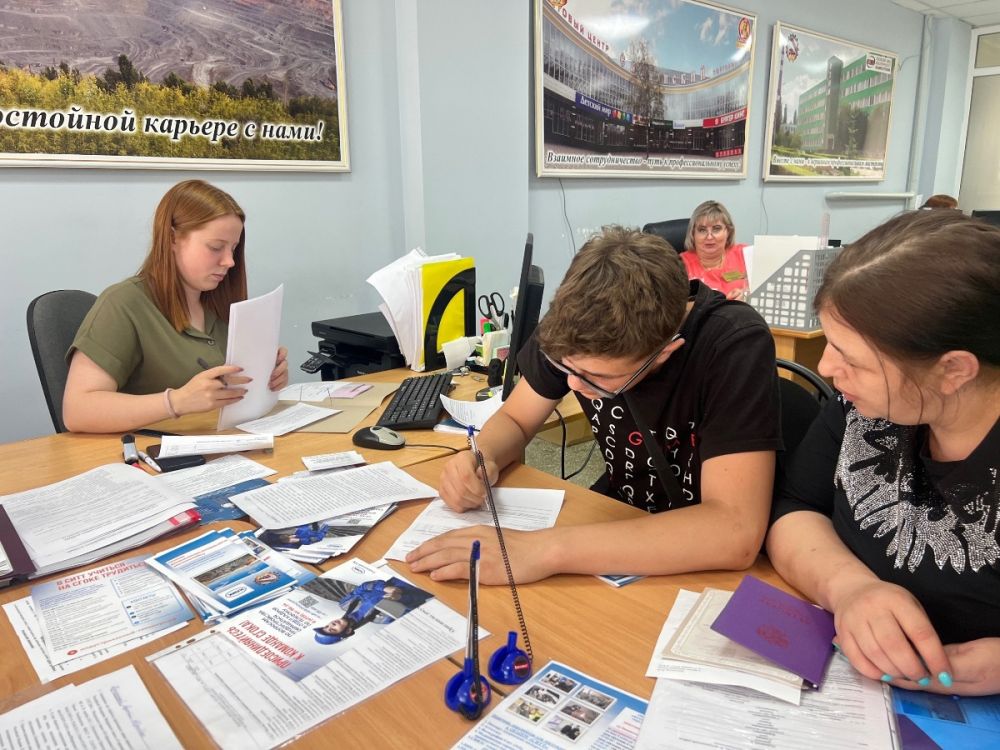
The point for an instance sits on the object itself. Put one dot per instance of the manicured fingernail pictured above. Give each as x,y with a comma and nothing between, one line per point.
924,681
945,679
887,678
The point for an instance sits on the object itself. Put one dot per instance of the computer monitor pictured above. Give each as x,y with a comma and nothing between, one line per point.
990,217
526,313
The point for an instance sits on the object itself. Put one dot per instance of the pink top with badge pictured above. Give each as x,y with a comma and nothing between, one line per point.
730,278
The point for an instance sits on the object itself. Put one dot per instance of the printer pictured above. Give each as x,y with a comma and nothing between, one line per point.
356,345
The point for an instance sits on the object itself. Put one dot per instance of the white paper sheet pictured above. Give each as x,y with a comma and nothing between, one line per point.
254,327
522,509
322,390
206,445
89,511
333,460
472,412
287,420
24,622
850,712
295,503
245,706
112,711
214,475
672,669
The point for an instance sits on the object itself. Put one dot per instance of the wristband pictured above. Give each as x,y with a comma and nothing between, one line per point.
166,403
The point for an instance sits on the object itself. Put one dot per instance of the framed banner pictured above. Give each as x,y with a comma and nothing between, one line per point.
829,108
659,88
217,84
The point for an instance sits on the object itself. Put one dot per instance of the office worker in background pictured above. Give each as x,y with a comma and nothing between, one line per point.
903,545
626,327
711,253
135,358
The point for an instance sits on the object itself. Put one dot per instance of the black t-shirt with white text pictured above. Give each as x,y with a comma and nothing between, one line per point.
716,395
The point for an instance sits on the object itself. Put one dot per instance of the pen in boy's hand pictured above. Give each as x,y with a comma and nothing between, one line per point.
205,366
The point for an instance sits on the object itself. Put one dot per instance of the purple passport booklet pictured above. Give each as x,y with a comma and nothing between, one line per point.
792,633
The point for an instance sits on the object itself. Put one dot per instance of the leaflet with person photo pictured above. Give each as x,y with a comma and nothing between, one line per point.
311,626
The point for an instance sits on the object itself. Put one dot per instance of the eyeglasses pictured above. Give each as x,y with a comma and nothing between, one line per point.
715,230
604,392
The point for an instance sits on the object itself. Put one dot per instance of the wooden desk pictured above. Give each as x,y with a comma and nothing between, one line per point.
804,347
596,628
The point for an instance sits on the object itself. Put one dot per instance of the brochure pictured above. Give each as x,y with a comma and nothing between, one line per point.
325,618
315,542
560,708
929,720
102,607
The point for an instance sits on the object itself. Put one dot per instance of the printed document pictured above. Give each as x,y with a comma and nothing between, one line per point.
90,511
304,501
333,460
215,475
662,666
115,710
92,610
522,509
473,412
254,327
29,631
850,712
204,445
244,705
560,708
286,420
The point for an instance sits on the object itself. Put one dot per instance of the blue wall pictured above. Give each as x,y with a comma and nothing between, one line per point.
439,114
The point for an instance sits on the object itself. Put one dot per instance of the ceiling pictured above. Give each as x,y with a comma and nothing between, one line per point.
977,13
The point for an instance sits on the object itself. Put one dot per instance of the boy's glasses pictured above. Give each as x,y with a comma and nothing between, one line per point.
604,392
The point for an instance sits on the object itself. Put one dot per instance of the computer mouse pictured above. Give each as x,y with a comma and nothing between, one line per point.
379,438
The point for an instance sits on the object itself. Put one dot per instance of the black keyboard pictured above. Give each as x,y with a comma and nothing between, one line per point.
416,405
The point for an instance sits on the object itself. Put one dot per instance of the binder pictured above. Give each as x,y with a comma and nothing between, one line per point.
448,291
19,566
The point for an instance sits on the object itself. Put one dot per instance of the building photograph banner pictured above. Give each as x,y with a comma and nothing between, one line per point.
829,108
212,84
649,88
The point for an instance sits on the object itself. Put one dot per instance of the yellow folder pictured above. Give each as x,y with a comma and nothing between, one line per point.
434,278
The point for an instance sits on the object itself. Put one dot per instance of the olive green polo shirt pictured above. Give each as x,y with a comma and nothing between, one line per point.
131,340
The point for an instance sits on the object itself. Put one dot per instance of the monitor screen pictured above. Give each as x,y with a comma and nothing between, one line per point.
526,312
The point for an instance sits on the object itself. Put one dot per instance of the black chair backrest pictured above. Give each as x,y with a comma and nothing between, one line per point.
672,230
53,320
799,404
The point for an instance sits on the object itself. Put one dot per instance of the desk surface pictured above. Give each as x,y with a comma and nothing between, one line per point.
598,629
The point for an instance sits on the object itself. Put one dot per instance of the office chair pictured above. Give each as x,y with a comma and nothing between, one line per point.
990,217
53,320
672,230
799,404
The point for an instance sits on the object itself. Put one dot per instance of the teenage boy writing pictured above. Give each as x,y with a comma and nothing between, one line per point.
630,335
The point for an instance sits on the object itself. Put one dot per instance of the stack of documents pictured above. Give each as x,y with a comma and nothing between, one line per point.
98,609
224,573
94,515
409,287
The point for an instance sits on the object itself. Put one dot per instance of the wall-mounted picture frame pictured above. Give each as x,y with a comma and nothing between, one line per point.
217,84
829,108
648,89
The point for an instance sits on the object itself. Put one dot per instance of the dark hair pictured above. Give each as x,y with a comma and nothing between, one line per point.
922,284
623,296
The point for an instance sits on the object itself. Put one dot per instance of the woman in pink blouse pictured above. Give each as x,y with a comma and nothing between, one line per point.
711,255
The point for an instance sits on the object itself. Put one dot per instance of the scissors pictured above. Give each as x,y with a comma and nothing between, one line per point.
491,306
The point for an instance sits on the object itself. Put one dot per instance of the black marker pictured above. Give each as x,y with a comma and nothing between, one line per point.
129,453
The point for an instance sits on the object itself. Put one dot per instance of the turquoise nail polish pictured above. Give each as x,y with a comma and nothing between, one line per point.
924,681
836,647
945,679
887,678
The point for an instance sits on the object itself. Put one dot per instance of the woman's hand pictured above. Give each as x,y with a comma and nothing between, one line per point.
279,375
212,389
887,636
461,486
446,557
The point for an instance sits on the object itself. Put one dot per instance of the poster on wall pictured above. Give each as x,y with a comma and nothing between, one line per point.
212,84
648,88
829,108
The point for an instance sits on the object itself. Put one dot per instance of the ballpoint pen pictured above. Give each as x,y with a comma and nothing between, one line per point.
148,460
205,366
